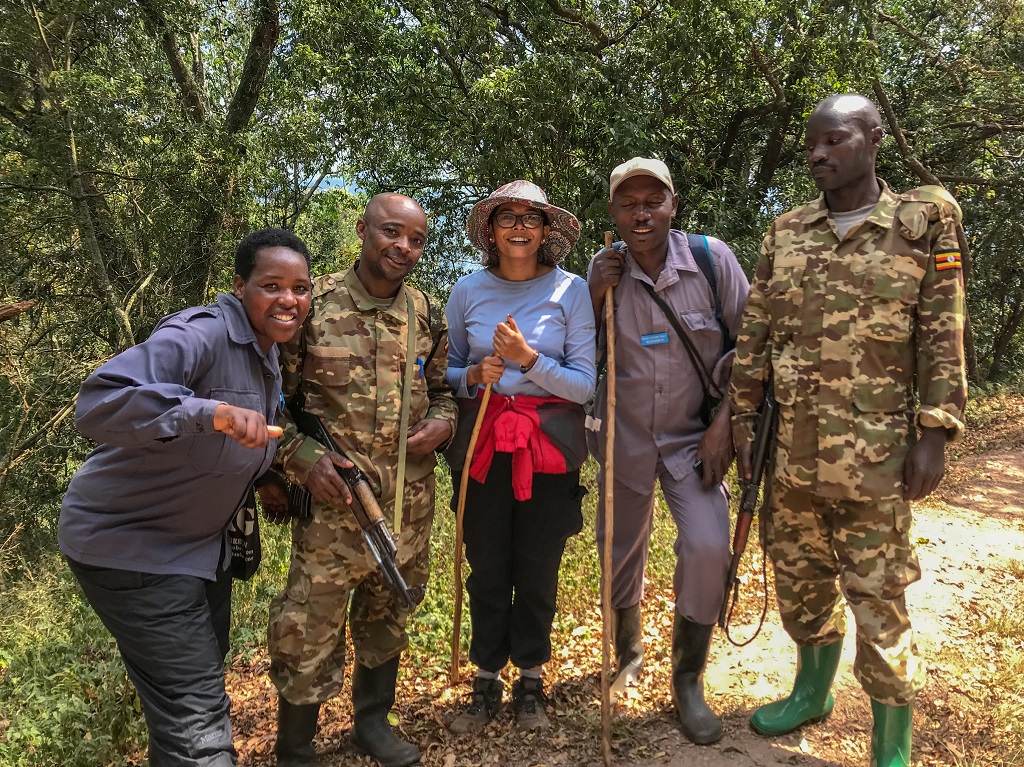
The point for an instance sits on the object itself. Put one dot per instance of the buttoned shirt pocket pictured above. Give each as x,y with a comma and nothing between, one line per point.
220,454
887,309
785,297
327,365
703,331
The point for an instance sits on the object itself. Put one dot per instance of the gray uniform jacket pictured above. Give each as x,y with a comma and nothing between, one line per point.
157,493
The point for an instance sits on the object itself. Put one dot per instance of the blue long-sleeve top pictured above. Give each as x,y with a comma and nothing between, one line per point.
556,317
157,493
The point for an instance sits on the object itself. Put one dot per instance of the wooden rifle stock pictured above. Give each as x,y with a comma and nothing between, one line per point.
368,514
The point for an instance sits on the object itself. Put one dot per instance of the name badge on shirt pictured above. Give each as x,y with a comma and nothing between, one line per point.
653,339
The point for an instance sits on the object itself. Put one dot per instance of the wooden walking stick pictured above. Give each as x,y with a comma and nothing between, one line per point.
606,559
454,672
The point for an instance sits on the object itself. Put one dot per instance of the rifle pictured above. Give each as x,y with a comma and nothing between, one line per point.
764,444
364,506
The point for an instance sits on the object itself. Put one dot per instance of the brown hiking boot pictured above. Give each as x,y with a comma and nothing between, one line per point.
529,701
484,705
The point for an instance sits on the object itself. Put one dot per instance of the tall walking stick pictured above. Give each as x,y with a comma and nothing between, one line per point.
609,476
454,672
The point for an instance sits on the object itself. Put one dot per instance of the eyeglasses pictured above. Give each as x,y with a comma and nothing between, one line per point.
529,220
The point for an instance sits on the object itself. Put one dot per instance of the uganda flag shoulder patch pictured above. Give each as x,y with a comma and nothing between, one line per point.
947,259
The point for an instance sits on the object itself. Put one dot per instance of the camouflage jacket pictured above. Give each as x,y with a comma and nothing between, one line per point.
848,326
350,358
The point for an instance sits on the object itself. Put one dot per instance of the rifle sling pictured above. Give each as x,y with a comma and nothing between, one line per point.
403,434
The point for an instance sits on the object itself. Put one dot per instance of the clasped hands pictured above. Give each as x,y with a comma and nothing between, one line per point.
509,344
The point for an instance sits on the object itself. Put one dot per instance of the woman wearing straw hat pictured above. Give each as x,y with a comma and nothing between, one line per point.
525,326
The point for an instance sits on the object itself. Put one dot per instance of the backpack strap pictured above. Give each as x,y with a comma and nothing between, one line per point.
701,250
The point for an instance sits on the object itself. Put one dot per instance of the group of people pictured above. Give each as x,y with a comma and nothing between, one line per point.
854,319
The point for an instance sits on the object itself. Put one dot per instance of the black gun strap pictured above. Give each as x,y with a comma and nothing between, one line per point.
698,365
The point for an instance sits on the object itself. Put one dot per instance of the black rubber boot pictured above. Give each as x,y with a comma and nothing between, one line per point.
690,643
296,727
373,695
629,651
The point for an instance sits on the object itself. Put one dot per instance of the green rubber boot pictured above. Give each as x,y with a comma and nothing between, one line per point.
811,699
890,737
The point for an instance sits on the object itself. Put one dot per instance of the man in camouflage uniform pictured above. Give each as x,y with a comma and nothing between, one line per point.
856,296
350,360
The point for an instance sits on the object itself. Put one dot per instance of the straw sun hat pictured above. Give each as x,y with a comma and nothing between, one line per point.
565,227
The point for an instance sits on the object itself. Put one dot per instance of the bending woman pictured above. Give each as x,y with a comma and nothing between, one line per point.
527,327
182,425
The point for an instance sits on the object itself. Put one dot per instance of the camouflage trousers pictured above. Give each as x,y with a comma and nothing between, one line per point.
815,542
330,563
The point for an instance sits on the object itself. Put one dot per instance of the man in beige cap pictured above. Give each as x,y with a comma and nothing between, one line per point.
678,305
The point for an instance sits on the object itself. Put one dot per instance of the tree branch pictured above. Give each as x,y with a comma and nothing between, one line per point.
13,310
901,141
190,93
603,41
257,60
773,81
940,62
57,417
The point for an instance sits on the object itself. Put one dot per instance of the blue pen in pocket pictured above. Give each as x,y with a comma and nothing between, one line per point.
419,363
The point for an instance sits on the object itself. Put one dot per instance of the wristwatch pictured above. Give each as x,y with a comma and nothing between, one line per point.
528,368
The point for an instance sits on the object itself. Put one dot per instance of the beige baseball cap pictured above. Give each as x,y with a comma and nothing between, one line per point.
640,166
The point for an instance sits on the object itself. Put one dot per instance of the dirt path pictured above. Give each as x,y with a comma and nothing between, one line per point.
965,542
967,536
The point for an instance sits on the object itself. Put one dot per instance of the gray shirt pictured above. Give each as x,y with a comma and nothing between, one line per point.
658,393
156,495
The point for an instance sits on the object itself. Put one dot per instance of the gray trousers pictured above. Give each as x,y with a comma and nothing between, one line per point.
701,546
172,632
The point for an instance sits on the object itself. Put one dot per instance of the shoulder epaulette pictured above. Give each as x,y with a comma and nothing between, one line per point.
945,204
325,283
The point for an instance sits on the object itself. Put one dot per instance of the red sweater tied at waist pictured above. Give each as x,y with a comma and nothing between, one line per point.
512,425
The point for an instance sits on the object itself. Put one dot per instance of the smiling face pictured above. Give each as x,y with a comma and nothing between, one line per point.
276,295
840,149
394,232
518,241
642,211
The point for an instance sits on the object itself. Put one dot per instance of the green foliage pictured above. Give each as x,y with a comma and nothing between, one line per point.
139,142
65,695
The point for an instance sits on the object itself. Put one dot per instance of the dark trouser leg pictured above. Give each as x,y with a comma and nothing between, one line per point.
540,528
165,632
487,532
218,595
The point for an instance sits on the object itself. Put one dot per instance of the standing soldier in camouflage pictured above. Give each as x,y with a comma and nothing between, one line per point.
857,296
350,361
